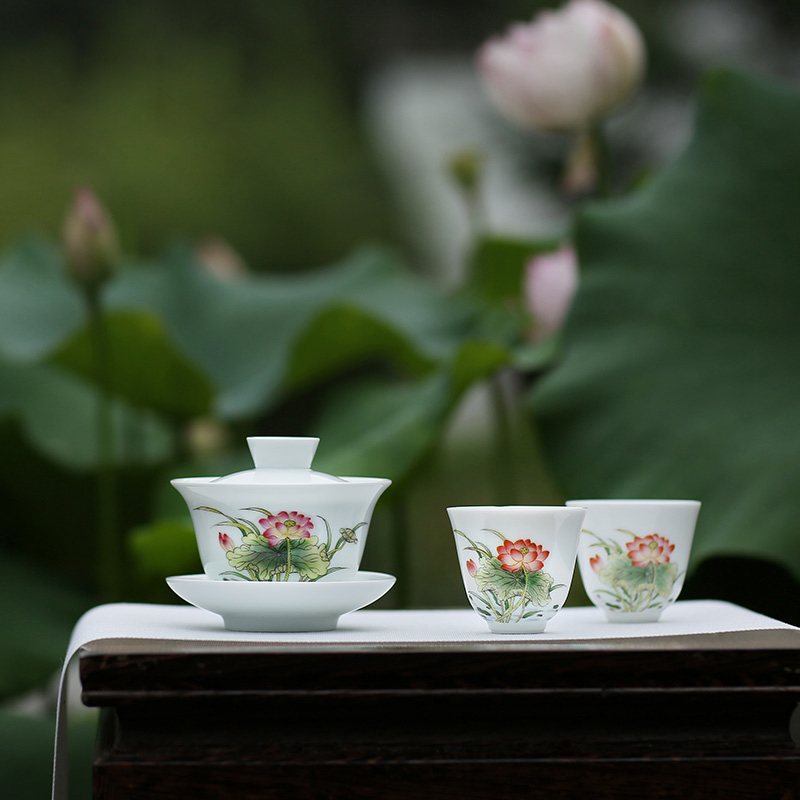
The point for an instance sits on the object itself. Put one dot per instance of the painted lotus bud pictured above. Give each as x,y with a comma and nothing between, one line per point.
596,563
225,542
471,568
90,240
567,68
349,535
550,282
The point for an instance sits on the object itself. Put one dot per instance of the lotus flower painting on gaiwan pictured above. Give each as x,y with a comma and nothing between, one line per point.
281,521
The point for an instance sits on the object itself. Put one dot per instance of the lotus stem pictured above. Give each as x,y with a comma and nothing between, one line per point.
504,473
109,577
602,160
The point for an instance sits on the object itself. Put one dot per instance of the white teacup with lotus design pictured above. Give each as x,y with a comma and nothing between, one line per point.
281,521
517,562
633,554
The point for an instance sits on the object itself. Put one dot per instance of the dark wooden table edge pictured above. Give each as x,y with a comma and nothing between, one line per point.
765,639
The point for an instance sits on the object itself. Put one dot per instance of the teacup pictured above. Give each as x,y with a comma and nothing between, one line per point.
517,562
633,554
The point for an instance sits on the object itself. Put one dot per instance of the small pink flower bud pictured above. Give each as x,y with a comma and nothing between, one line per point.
219,259
551,280
90,240
225,542
567,68
471,568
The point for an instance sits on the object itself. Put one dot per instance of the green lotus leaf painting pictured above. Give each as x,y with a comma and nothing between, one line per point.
681,363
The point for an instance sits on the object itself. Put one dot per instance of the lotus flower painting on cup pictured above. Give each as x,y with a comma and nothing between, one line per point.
511,583
639,573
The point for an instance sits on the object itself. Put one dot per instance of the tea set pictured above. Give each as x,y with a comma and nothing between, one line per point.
281,546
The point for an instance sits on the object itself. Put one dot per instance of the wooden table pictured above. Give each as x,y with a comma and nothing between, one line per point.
704,716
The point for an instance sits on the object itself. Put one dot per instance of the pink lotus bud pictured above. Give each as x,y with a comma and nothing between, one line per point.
566,68
225,542
551,280
218,258
471,568
90,240
596,563
205,437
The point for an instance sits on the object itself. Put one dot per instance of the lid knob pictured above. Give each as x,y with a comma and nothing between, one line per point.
282,452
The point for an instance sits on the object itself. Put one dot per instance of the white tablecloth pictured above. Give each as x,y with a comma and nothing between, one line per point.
185,623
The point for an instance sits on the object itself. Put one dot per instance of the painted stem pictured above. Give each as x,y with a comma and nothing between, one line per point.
524,597
288,558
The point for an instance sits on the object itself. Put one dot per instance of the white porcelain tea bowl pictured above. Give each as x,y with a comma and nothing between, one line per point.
633,554
281,607
281,522
517,562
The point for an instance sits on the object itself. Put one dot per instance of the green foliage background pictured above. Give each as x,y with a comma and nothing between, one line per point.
683,347
676,373
190,121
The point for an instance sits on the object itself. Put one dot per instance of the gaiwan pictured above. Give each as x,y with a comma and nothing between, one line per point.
281,521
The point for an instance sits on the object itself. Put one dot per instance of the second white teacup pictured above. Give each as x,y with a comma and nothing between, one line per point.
517,562
633,554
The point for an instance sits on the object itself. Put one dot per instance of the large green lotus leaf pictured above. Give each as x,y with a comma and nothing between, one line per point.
39,307
164,547
56,411
386,429
498,266
341,336
173,326
144,366
42,317
681,368
252,336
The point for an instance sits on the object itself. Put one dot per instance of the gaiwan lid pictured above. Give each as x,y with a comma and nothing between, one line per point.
281,460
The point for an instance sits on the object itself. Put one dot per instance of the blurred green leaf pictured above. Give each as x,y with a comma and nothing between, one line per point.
498,266
26,767
341,337
184,343
57,412
535,356
35,631
164,547
681,368
254,336
385,429
146,369
38,305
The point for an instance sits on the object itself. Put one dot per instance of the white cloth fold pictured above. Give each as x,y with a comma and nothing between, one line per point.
185,623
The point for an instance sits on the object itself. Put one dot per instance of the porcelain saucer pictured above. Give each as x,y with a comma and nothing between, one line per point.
281,607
